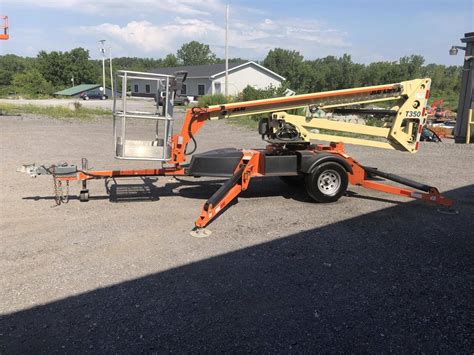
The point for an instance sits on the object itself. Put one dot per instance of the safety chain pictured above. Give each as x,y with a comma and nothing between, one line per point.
59,195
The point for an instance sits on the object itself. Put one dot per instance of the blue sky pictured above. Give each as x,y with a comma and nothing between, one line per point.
369,30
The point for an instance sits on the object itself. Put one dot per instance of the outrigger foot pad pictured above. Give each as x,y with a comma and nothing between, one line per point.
198,232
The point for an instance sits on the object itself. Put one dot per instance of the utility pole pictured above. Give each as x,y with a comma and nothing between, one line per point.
111,73
102,50
227,50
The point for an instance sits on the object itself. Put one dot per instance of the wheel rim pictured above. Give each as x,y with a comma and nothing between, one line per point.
329,182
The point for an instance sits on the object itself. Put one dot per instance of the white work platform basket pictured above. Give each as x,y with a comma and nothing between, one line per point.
143,115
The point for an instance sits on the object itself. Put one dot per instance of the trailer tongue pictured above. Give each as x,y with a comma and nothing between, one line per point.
324,170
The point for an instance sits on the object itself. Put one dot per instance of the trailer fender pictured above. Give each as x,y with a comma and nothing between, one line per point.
312,160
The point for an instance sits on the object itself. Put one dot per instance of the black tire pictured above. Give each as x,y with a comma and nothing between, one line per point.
327,182
186,102
84,196
295,180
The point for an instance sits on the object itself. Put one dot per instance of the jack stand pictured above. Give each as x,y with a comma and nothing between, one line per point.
198,232
84,194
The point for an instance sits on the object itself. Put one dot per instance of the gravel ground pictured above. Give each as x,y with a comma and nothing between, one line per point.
370,273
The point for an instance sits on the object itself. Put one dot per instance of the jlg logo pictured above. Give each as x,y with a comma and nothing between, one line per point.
386,91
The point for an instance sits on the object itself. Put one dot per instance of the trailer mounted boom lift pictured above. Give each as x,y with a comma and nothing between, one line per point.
325,170
4,34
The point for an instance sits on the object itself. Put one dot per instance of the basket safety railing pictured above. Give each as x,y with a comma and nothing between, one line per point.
154,127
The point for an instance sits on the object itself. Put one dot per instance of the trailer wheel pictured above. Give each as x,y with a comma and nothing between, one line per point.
327,182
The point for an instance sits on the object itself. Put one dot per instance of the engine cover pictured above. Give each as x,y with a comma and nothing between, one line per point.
220,162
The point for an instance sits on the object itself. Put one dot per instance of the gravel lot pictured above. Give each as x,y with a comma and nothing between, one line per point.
371,273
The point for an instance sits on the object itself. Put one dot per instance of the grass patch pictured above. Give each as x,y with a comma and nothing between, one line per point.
209,100
59,112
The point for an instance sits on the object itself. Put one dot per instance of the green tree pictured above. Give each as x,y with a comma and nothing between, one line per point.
79,67
169,61
32,82
195,53
328,73
410,67
250,93
282,60
59,67
133,63
231,60
11,64
52,66
288,64
379,73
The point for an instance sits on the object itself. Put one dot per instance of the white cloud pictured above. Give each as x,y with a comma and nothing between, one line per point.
256,38
147,37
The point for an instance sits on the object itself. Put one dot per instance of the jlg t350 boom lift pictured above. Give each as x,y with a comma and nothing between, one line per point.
325,170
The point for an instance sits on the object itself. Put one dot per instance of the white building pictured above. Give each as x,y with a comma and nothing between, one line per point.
210,79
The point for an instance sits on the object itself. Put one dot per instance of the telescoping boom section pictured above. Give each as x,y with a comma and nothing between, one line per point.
291,154
402,130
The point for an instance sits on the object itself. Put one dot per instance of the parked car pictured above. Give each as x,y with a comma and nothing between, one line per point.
183,100
427,135
179,99
93,95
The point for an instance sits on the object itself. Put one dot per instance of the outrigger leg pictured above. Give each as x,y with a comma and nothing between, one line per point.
425,192
246,169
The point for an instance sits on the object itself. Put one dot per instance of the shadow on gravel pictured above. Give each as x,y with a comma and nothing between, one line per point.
118,190
398,279
124,190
